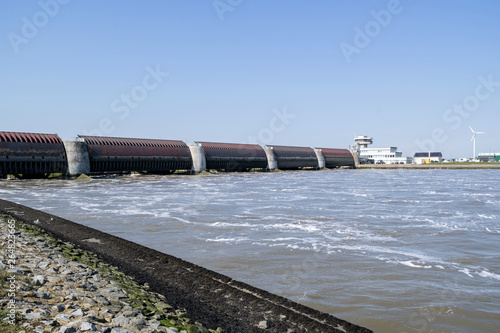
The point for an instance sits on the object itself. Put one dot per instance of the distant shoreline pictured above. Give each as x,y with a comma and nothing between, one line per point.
431,166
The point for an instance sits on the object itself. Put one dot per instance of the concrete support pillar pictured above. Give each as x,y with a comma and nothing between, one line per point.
78,158
356,158
271,159
198,155
321,158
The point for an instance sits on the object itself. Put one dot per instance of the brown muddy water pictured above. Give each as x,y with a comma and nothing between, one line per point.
391,250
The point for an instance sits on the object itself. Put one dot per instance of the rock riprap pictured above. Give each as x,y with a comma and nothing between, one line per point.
59,288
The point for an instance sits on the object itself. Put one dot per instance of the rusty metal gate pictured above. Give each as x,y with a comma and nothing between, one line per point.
118,155
31,155
233,156
335,158
289,158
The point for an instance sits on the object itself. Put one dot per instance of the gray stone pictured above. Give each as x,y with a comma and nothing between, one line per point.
42,295
58,308
39,280
172,330
121,330
131,313
50,322
34,316
67,329
52,270
154,324
76,292
102,300
89,300
63,317
137,324
263,325
121,320
77,313
43,264
26,285
87,326
103,329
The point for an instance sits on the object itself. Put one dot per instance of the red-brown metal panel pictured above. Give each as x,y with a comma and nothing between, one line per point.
290,157
109,154
335,152
31,154
107,146
232,149
233,156
337,157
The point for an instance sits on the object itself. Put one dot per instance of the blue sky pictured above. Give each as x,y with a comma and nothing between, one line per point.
412,74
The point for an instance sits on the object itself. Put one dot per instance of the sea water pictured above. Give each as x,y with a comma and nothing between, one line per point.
391,250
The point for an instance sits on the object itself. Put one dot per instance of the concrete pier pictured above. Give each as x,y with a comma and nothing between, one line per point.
272,164
199,160
78,157
356,158
321,158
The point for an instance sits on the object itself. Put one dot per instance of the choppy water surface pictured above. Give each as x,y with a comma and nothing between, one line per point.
392,250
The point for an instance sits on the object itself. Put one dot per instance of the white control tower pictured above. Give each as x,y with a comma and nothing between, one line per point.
362,141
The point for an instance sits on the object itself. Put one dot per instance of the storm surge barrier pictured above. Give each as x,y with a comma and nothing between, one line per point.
32,155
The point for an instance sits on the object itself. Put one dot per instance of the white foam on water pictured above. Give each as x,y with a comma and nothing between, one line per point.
486,274
466,271
410,263
489,217
231,225
185,221
292,226
430,192
234,240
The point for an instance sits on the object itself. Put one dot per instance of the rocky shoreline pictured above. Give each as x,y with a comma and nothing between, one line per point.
159,287
51,286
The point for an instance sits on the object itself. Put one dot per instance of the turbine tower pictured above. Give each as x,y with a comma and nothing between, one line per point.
474,133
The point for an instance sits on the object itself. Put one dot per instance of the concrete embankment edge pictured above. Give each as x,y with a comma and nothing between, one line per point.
211,298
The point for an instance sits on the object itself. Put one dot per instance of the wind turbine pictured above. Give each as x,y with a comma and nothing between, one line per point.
474,140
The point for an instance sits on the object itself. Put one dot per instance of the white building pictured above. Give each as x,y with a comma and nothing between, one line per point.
384,155
428,157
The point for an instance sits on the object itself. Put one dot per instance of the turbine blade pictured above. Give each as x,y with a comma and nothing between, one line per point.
473,137
472,129
479,132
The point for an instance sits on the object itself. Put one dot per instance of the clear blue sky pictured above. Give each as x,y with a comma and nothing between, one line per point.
68,66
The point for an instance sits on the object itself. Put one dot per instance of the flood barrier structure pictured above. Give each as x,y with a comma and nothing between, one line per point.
31,155
233,156
294,158
118,155
335,158
213,299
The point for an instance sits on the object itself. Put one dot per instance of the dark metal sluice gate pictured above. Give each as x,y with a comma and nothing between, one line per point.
117,155
31,154
233,156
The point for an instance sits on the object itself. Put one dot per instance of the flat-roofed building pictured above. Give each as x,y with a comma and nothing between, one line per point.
427,157
489,157
383,155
